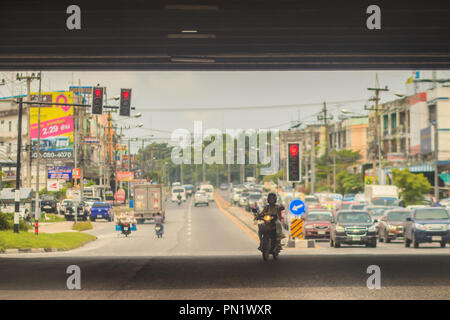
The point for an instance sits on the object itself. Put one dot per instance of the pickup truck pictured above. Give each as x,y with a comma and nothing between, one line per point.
426,225
101,210
48,203
67,209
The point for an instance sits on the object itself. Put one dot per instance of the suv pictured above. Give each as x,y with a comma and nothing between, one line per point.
353,227
392,224
201,198
431,224
48,203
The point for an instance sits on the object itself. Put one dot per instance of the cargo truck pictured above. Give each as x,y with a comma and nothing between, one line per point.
381,195
149,200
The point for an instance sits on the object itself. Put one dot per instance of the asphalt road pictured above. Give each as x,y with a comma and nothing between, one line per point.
206,254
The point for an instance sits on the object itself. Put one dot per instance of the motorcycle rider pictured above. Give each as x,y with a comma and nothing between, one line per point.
274,210
179,198
159,221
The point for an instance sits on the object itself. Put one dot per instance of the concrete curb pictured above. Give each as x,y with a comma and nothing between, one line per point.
30,250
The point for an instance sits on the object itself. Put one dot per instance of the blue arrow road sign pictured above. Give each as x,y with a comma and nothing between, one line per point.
297,207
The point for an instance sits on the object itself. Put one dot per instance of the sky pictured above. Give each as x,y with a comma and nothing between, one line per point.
303,91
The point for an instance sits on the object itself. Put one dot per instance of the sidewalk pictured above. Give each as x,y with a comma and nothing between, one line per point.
54,227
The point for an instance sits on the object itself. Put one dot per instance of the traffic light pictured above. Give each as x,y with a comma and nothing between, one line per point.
97,100
125,102
293,163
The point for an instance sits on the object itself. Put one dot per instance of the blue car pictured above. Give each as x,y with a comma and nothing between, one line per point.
426,225
101,210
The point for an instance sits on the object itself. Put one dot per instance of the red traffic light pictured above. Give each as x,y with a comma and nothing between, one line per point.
98,92
293,150
125,94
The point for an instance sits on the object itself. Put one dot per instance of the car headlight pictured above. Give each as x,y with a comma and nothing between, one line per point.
392,227
419,226
340,229
309,226
372,228
448,226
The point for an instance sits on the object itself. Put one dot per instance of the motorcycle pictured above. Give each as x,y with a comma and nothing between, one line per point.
179,201
270,245
159,229
126,230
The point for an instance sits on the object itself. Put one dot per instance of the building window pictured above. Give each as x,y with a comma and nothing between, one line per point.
393,122
10,126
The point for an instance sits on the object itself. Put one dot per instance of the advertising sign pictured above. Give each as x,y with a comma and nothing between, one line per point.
56,126
53,185
125,176
60,173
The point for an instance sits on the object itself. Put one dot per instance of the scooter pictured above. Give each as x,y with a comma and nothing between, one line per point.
159,229
270,245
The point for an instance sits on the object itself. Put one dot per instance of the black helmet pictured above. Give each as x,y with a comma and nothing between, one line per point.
272,194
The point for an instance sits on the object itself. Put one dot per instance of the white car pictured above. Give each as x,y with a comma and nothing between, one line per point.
201,198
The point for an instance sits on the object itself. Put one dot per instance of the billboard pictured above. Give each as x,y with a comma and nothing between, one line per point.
56,127
125,176
60,173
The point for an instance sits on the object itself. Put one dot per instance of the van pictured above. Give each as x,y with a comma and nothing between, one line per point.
178,191
209,189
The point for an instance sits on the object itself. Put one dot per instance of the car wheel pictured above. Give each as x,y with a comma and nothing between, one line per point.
442,244
92,219
337,244
388,240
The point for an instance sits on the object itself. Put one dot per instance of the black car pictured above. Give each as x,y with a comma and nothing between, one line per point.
48,203
353,227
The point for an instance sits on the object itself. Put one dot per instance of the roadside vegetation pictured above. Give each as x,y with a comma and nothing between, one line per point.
27,240
82,226
7,222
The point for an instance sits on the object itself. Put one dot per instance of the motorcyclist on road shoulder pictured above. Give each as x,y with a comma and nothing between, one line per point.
274,210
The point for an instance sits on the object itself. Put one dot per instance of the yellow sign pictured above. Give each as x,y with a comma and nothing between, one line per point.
56,125
297,228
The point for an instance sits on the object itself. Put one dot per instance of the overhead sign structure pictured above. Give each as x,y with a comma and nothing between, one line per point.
125,102
60,173
56,126
293,162
297,207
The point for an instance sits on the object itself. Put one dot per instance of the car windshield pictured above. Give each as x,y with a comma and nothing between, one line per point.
311,200
385,201
377,211
318,216
357,217
201,193
431,214
244,194
207,189
67,203
47,197
398,215
100,205
178,190
255,197
357,206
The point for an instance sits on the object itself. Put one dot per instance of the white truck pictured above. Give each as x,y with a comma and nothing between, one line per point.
381,195
149,200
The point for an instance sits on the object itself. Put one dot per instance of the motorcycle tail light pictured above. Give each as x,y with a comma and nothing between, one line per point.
267,218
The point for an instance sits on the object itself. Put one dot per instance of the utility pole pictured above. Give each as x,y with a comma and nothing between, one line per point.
436,159
181,174
334,171
18,164
377,90
323,116
129,170
20,77
313,165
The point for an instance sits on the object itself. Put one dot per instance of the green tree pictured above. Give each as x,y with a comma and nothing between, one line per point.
412,186
348,183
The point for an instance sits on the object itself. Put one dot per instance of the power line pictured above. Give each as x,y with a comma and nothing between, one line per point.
234,108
